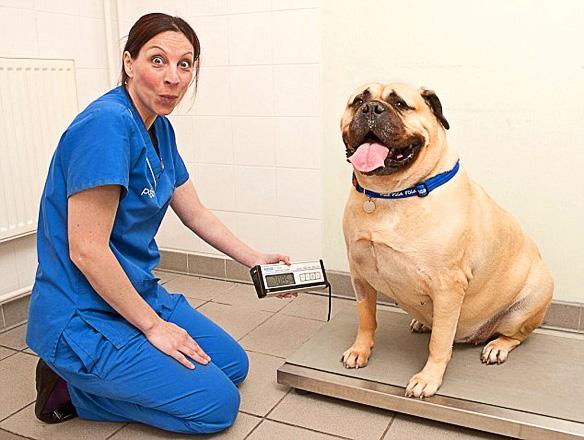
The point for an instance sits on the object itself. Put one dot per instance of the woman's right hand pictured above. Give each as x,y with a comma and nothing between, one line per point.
174,341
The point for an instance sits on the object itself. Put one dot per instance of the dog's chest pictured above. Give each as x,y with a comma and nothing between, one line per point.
390,265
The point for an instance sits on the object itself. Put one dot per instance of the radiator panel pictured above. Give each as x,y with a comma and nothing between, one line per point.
38,100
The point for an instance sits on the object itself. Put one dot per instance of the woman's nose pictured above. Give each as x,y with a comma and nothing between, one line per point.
171,78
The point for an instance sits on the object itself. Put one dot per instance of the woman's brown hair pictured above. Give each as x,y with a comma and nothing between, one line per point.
150,25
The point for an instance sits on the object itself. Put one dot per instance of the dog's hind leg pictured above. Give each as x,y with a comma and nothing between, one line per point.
497,351
527,315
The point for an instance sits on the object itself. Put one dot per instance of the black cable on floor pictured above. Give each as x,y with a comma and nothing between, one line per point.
330,302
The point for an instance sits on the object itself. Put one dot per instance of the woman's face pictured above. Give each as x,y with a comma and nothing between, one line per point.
160,74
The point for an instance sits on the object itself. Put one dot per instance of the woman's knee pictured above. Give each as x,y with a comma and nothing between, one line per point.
241,366
220,412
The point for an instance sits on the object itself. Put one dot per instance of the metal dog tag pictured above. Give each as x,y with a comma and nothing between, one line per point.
369,206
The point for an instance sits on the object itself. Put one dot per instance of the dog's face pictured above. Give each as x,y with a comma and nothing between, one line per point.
386,128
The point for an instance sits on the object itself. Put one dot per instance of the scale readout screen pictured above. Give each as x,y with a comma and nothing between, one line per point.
277,280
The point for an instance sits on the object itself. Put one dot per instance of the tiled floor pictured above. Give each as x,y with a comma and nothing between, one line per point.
269,330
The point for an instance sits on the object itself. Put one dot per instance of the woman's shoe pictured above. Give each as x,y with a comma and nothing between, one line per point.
53,404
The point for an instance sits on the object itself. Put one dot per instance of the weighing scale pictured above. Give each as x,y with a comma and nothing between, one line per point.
537,394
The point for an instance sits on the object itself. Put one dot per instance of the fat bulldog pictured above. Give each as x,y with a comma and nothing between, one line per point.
420,231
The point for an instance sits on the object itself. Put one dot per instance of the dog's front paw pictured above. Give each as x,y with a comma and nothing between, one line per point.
356,357
423,385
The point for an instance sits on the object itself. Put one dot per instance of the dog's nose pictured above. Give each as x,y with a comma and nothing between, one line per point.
375,107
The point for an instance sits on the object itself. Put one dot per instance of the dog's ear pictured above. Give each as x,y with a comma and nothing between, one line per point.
434,103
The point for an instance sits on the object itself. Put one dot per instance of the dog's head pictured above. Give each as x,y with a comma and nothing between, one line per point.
386,128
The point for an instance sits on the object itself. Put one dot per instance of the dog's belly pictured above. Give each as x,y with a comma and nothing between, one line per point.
394,274
402,277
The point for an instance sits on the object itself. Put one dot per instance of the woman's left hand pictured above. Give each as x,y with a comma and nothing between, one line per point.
274,259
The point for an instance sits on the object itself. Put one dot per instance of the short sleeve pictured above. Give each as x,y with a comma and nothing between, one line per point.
181,173
97,150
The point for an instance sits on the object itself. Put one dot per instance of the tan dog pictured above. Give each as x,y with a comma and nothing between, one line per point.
460,265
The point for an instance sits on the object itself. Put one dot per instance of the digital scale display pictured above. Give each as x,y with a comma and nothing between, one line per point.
285,279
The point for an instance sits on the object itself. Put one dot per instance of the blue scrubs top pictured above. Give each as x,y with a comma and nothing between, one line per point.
106,144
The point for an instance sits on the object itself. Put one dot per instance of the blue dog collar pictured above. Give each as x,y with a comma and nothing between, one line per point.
420,190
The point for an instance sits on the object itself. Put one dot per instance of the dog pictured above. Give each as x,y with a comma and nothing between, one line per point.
418,230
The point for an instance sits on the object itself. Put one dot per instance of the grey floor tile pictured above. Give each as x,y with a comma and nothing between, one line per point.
237,321
5,435
197,287
313,306
31,354
245,295
16,383
281,335
260,392
196,303
414,428
333,416
5,352
15,338
273,430
242,426
164,276
25,423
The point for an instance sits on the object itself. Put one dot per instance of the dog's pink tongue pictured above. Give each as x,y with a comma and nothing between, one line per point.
369,156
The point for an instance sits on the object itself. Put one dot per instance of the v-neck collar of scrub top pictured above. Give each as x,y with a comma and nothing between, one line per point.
155,162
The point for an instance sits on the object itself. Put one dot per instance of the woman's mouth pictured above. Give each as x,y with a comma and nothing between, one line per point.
168,100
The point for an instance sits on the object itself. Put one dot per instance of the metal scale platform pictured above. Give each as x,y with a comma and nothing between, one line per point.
537,394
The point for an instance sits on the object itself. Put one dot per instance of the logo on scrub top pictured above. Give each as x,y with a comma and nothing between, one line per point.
148,192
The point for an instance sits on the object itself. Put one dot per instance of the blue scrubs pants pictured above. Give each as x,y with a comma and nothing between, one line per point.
139,383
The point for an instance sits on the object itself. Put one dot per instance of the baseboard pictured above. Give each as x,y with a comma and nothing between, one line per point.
14,312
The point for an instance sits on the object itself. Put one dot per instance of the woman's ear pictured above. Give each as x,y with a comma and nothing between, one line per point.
128,62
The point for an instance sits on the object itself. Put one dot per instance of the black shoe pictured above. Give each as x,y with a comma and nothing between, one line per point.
46,382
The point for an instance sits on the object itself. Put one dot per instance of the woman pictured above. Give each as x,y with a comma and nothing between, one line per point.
114,345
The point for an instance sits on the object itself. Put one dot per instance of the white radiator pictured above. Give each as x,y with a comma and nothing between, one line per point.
38,100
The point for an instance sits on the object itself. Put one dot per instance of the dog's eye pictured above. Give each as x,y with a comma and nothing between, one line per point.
400,104
357,101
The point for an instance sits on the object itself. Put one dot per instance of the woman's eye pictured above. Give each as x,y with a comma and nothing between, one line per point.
157,60
185,64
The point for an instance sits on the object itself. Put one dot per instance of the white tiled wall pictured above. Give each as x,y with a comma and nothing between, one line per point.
252,138
50,29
